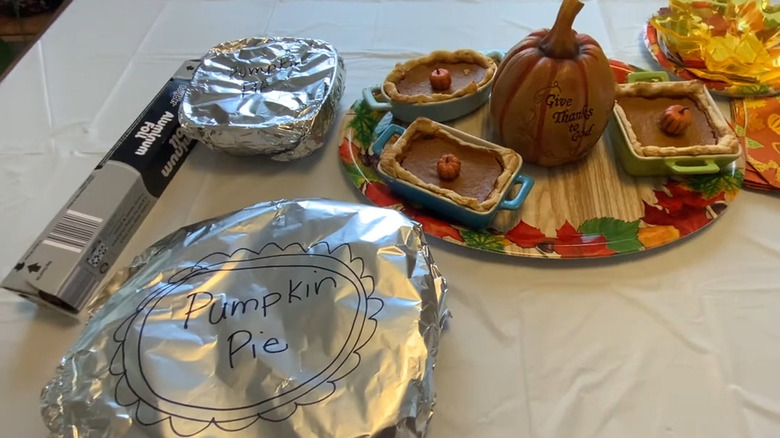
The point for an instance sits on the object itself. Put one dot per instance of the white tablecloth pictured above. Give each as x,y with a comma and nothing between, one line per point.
677,342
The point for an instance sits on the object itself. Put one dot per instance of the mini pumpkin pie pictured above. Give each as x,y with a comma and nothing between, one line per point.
439,76
672,119
429,157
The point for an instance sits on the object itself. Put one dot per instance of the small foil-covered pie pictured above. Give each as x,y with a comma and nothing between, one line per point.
673,119
274,96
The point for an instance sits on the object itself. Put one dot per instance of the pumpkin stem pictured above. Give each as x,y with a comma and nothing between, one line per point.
561,41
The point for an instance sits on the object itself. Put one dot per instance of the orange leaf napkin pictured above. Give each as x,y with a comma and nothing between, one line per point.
757,123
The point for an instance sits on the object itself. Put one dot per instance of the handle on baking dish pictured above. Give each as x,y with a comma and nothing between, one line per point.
647,76
368,96
708,166
515,203
495,55
385,136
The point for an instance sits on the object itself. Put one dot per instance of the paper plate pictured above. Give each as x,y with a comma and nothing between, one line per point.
716,87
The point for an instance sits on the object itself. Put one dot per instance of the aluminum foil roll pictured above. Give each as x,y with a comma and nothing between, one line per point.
299,318
269,96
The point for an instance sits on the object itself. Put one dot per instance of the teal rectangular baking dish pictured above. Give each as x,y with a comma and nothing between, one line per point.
443,206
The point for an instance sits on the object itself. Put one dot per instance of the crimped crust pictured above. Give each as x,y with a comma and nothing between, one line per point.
463,55
727,140
390,164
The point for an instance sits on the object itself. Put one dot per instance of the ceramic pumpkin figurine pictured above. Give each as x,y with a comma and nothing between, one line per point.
553,93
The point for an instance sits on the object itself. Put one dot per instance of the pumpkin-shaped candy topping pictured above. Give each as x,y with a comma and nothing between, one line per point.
448,167
441,79
676,119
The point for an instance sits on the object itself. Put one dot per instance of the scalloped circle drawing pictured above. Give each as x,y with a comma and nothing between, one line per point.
254,348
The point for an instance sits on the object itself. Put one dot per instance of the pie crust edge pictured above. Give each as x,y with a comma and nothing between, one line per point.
728,143
463,55
388,162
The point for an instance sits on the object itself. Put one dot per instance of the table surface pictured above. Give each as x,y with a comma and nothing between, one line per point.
682,341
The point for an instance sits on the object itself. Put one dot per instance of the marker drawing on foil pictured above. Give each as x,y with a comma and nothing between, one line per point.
251,333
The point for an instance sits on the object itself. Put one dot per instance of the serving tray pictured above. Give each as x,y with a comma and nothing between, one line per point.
587,209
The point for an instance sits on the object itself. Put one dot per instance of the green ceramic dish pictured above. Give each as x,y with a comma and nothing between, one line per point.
645,166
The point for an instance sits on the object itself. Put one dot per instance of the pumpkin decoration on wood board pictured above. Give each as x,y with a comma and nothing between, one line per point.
553,93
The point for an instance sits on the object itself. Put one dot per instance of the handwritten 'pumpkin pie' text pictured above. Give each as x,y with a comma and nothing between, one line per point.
216,308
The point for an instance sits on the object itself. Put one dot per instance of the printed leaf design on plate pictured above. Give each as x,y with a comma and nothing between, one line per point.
364,122
754,90
752,144
571,243
381,195
355,175
525,236
348,151
357,172
657,236
740,130
433,226
684,209
715,185
484,240
621,236
754,102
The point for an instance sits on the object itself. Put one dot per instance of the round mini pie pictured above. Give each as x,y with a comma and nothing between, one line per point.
410,82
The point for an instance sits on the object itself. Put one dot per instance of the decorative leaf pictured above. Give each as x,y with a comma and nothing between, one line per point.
370,174
754,90
686,220
348,152
381,195
351,158
752,144
621,235
740,130
685,210
484,240
354,174
651,237
571,243
364,122
525,236
433,226
715,185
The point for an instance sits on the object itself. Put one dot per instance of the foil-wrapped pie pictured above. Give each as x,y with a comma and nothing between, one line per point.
268,96
287,319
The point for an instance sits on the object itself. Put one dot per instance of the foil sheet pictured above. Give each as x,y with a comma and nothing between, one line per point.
265,96
293,318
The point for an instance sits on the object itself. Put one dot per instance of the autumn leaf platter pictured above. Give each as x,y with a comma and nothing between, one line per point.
587,209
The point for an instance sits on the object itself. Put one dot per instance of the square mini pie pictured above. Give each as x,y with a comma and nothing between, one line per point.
484,173
640,105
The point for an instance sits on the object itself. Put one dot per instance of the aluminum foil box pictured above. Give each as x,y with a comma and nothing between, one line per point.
70,257
288,319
